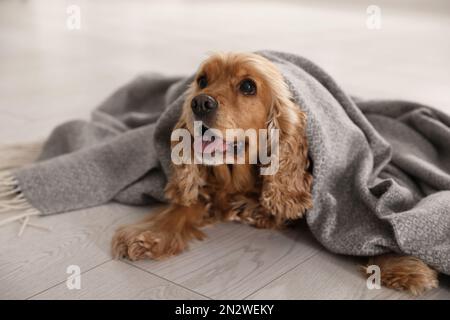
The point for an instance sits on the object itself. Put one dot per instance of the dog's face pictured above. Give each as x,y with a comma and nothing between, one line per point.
245,91
230,91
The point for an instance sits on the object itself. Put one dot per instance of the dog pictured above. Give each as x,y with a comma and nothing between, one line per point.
245,91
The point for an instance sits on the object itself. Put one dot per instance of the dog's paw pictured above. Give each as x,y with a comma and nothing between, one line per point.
136,244
261,221
415,283
407,273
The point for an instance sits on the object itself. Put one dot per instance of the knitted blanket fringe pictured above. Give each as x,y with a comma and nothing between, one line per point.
12,202
17,155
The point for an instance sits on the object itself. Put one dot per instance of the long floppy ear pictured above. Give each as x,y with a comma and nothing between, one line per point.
287,192
186,178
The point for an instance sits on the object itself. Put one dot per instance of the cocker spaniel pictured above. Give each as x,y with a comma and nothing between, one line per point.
242,91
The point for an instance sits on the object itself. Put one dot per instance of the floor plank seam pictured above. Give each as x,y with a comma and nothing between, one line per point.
172,282
284,273
59,283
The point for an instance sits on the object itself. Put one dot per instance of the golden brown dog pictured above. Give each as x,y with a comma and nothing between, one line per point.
244,91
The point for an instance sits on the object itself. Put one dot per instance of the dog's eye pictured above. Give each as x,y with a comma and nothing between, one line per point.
247,87
202,82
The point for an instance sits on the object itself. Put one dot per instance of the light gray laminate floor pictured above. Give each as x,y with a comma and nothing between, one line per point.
49,74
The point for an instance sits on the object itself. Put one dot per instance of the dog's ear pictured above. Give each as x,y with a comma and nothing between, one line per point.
185,178
286,193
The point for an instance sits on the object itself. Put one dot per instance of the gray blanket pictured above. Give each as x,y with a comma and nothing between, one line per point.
381,168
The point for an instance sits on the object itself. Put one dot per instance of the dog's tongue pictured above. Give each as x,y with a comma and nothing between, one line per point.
218,145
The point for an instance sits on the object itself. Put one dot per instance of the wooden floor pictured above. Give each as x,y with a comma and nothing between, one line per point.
49,74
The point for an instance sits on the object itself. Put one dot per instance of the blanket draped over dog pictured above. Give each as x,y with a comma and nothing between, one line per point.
381,168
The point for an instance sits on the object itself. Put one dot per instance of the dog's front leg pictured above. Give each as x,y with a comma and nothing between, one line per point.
251,212
163,234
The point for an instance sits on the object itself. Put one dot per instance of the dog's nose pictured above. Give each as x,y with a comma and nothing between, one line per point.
203,104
